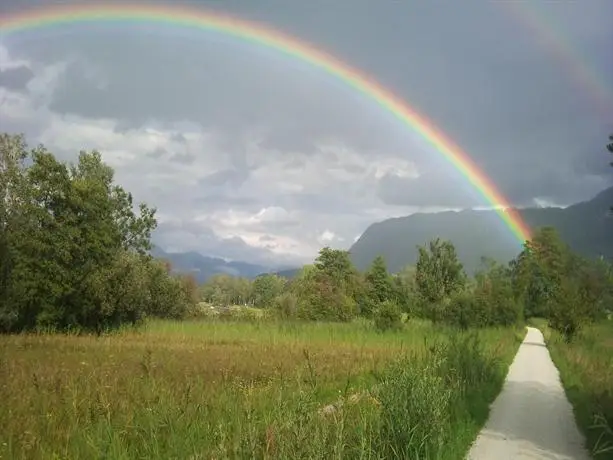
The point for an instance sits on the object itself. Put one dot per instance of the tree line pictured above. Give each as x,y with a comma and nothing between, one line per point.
545,280
74,254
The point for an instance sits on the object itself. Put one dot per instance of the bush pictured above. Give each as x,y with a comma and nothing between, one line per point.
322,301
566,311
505,312
416,404
463,311
286,305
388,316
423,398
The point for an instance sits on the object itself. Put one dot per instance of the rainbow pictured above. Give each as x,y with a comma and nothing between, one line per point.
551,37
186,17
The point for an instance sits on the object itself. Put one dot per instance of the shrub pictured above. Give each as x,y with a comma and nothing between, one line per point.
463,311
388,316
565,311
424,397
286,305
416,405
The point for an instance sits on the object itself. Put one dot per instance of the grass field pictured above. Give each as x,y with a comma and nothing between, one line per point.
219,389
586,370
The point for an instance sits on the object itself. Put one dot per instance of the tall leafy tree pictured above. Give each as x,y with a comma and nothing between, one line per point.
379,280
539,270
439,273
265,288
379,287
73,250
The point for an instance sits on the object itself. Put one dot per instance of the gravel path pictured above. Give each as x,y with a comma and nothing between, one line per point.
531,418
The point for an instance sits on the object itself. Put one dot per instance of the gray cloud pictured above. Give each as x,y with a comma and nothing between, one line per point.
15,78
427,190
232,134
185,158
157,153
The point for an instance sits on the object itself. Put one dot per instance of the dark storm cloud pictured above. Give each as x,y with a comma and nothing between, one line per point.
16,78
504,99
427,190
490,83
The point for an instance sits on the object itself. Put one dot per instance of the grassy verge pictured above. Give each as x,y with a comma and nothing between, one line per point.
215,389
586,371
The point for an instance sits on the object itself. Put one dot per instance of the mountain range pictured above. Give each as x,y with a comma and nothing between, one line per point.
203,267
586,226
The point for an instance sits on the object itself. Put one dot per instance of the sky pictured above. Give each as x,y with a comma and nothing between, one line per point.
249,155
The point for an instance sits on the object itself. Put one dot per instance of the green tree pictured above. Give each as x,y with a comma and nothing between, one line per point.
438,275
594,280
379,287
73,252
336,265
265,288
388,316
405,289
379,280
320,297
539,270
13,153
494,300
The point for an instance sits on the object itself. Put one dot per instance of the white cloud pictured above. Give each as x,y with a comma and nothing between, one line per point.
327,236
9,62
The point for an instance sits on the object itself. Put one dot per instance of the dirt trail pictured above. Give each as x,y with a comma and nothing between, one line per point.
531,418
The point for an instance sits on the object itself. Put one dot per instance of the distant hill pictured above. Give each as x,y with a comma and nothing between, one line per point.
203,267
586,227
288,273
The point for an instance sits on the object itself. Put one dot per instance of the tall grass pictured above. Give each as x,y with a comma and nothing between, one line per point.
586,371
205,390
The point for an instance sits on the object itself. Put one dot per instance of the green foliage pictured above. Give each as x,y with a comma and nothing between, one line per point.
378,287
438,276
462,311
327,290
379,281
72,249
388,316
286,305
405,290
567,313
493,293
538,271
224,290
337,267
554,283
586,370
265,288
430,396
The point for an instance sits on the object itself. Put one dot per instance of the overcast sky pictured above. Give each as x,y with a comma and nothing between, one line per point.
252,156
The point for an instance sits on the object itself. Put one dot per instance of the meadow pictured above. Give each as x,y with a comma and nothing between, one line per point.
212,389
586,371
